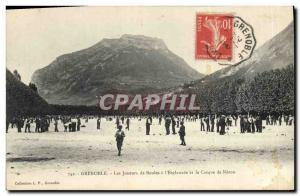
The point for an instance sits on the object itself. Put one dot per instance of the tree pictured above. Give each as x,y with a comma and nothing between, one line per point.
17,75
33,87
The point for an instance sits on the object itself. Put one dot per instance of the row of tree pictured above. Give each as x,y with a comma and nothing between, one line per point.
267,92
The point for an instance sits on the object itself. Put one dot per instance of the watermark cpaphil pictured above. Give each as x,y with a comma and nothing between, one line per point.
139,102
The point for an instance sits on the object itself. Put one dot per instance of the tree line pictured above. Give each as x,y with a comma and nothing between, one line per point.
268,92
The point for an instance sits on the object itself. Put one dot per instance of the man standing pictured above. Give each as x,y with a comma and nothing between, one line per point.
252,124
159,120
182,133
20,124
242,124
78,124
222,124
173,125
280,120
73,126
127,123
117,121
27,125
212,123
66,126
235,119
258,123
201,124
267,120
167,125
207,124
37,124
55,125
148,123
217,124
98,123
119,139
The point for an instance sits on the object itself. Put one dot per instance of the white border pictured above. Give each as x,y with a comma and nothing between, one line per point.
4,3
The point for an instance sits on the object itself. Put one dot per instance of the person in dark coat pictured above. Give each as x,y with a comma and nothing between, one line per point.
117,121
73,126
119,139
7,125
182,133
247,125
235,119
222,124
98,123
20,124
242,126
127,123
70,127
159,120
207,124
27,125
167,125
173,125
55,125
201,125
37,124
258,123
217,124
252,124
148,124
212,124
78,124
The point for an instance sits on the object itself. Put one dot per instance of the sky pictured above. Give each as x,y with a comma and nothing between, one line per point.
36,37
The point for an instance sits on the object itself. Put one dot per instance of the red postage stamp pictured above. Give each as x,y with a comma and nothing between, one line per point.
214,34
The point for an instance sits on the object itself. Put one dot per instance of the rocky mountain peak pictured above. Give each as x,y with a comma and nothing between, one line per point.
137,41
131,64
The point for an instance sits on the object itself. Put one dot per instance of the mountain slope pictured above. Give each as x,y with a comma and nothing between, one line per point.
21,100
265,83
276,53
131,64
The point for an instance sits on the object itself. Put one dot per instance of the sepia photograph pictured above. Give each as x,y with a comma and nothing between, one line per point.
157,98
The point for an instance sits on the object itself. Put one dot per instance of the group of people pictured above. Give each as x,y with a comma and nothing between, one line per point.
41,124
273,119
172,123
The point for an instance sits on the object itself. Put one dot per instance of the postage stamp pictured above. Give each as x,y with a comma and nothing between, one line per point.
214,36
224,38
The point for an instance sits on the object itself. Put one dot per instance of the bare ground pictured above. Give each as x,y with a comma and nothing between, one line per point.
61,160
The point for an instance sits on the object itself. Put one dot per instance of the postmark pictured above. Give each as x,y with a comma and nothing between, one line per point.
224,38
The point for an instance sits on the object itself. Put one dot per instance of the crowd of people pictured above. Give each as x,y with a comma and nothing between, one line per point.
173,124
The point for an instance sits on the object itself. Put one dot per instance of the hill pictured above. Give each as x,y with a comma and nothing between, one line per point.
22,100
130,64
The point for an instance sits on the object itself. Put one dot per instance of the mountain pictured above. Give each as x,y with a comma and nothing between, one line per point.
276,53
22,100
130,64
265,83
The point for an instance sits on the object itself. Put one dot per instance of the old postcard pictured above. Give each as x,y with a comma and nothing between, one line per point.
150,98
